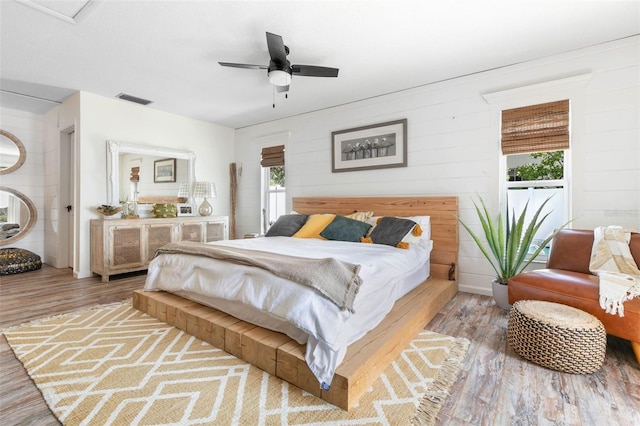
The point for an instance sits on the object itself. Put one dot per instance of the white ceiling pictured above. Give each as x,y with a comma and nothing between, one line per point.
168,51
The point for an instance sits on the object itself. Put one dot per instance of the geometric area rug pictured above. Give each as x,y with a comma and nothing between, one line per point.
114,365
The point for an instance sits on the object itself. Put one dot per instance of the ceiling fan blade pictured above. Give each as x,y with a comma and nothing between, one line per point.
313,71
282,89
277,51
247,66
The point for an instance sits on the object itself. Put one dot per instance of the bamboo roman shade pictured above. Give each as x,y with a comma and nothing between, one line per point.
272,156
535,128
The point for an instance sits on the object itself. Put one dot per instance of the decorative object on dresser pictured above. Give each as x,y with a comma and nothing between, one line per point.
508,244
370,147
205,190
164,210
107,210
185,210
128,245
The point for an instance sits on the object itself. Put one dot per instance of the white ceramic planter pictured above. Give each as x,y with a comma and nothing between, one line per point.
500,295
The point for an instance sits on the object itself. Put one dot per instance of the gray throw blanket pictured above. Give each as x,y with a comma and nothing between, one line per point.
336,280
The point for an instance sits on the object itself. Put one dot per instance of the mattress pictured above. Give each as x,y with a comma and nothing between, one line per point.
255,295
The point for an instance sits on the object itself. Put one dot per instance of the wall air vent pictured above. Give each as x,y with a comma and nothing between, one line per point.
133,99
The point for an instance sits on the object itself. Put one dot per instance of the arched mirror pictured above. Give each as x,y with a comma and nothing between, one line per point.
17,215
12,152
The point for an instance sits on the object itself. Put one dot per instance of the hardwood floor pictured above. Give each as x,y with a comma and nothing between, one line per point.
495,386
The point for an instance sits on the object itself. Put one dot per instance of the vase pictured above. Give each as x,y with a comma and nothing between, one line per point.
500,295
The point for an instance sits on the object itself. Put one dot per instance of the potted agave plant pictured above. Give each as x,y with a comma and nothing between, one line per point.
508,244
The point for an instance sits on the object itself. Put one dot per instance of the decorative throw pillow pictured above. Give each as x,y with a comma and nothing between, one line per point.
163,210
361,216
314,226
343,228
419,234
390,231
287,225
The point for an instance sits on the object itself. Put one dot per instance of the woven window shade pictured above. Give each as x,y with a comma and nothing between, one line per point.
272,156
535,128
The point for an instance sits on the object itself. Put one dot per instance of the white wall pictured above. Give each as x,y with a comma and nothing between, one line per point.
103,119
29,178
453,147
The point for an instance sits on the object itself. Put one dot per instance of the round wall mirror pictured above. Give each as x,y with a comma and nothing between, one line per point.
12,152
17,215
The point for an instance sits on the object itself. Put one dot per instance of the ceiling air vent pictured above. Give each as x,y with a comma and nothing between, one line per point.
133,99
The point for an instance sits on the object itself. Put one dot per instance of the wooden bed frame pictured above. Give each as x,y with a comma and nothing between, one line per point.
367,358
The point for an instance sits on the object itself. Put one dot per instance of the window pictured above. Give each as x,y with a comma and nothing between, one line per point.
273,185
535,144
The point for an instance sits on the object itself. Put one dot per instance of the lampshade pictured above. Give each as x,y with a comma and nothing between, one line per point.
279,78
183,191
204,190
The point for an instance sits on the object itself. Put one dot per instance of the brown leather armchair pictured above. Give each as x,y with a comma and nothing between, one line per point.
567,280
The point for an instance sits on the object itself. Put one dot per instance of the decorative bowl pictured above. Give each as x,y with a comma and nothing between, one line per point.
107,210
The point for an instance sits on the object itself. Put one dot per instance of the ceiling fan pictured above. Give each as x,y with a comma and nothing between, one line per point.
280,70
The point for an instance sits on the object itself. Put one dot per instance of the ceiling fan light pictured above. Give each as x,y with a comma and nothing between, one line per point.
279,78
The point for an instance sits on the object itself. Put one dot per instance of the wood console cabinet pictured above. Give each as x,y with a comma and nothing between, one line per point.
127,245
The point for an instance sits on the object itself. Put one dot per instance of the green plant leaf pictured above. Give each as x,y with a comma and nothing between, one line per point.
508,242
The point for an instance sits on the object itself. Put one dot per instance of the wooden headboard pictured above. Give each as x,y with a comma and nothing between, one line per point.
443,212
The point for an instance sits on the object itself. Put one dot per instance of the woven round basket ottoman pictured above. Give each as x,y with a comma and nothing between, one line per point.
16,260
557,336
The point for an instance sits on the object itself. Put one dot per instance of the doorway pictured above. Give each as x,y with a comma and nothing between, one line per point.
66,201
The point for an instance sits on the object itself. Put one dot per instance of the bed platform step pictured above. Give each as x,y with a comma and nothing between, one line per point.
283,357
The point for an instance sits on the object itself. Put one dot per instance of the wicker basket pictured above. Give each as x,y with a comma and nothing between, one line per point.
557,336
17,260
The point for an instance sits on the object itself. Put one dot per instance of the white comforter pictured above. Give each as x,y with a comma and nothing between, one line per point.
257,296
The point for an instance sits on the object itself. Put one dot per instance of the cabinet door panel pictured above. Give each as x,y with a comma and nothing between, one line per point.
215,231
126,247
157,236
191,232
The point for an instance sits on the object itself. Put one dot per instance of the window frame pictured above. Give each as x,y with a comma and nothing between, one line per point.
261,142
571,88
266,192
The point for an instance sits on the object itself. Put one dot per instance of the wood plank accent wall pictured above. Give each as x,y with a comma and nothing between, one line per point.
443,212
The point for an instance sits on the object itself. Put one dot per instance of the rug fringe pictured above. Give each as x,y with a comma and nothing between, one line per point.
78,311
431,403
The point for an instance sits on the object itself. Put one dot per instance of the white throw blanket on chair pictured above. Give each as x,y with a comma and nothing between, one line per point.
612,262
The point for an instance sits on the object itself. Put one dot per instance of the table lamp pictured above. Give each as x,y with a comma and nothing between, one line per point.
205,190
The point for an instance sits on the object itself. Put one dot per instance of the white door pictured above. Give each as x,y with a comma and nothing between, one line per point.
70,208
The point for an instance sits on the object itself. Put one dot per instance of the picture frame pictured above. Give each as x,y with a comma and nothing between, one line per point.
186,209
164,170
376,146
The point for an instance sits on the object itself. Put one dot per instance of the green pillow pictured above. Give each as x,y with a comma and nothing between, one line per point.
344,229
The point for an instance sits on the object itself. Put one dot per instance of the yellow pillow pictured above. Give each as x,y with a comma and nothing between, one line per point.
314,226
